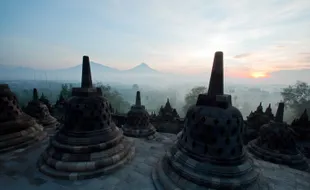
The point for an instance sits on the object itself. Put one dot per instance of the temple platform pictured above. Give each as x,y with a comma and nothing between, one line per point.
18,171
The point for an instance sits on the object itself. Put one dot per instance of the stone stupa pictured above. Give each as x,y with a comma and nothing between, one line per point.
302,127
269,113
40,111
138,121
254,121
17,129
89,144
276,143
210,151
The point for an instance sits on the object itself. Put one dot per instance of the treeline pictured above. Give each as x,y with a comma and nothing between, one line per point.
296,97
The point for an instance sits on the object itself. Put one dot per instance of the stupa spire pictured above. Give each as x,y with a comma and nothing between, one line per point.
138,99
86,74
304,115
280,112
35,96
216,83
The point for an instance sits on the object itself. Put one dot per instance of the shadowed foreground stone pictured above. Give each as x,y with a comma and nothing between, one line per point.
138,121
40,111
302,127
89,144
276,144
17,129
255,120
209,152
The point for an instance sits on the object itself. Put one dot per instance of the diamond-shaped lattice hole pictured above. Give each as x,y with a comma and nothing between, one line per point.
205,149
219,151
228,122
194,144
227,141
234,131
233,152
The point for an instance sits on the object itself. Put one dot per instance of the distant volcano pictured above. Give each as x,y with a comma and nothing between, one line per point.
143,68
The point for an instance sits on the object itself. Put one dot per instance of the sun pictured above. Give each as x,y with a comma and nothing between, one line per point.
259,75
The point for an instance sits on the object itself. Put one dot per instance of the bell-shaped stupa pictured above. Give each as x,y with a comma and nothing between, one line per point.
89,144
276,143
45,101
210,151
258,118
138,121
302,126
268,112
40,111
17,129
254,121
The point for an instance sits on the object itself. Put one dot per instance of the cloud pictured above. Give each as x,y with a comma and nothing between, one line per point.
242,55
177,35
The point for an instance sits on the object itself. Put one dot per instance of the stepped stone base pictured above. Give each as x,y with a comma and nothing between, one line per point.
72,162
138,132
21,139
177,171
50,123
297,161
50,126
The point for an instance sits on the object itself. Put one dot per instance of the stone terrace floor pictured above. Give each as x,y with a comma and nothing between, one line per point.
18,171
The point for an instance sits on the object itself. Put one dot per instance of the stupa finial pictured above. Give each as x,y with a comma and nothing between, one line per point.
35,96
304,115
280,112
86,74
216,83
138,99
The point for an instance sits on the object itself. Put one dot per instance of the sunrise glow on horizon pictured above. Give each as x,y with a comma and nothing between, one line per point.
257,38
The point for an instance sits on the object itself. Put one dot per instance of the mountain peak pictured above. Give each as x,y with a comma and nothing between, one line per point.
142,68
143,65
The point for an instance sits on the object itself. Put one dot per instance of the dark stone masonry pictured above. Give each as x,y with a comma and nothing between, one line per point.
138,121
210,152
17,129
276,143
89,144
40,111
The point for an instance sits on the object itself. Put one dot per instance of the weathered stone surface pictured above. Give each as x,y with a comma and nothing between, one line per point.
18,171
17,129
138,121
40,111
302,128
89,144
167,120
209,152
255,120
276,144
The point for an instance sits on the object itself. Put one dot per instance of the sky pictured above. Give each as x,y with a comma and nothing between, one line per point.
178,36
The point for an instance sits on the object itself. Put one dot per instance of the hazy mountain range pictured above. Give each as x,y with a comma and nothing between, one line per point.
142,73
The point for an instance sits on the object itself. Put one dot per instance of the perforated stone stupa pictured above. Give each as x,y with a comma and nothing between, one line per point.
255,120
258,118
276,144
40,111
268,112
167,113
17,129
89,144
302,127
210,151
138,121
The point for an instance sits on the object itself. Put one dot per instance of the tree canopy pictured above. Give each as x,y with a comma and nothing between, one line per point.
114,97
297,97
191,97
66,90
